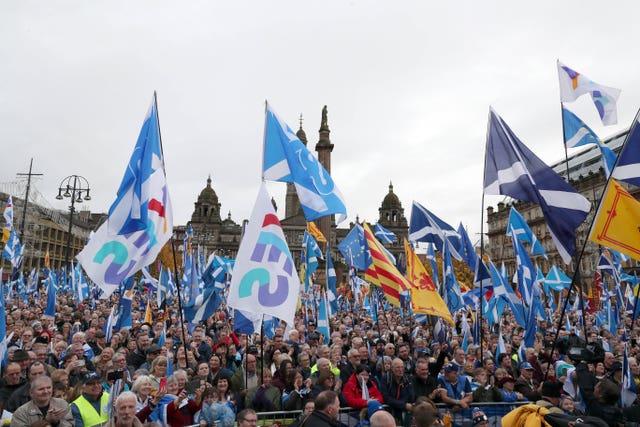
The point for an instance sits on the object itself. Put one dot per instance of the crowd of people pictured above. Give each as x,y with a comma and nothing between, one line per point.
63,371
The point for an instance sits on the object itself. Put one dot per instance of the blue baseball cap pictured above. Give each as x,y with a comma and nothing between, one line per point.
526,365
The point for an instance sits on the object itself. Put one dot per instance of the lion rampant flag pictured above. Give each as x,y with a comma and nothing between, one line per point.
424,296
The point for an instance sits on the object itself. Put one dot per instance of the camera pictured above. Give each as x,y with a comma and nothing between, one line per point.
589,353
115,375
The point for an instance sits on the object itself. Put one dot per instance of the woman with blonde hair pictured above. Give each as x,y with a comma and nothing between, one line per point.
158,371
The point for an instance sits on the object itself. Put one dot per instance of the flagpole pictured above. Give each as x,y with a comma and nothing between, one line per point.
635,304
479,317
175,277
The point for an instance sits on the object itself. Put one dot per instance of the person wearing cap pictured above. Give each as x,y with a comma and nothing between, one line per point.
551,391
354,389
526,384
454,389
153,351
507,385
90,408
21,357
42,406
615,373
479,418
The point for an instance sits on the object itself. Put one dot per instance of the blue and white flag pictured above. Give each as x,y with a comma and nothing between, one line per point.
204,306
453,296
466,250
124,318
140,220
246,322
355,250
519,226
628,166
287,159
503,290
383,235
577,133
323,319
629,392
13,250
526,274
80,285
556,279
511,169
426,227
332,281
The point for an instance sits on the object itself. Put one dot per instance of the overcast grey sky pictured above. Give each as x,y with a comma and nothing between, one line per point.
408,85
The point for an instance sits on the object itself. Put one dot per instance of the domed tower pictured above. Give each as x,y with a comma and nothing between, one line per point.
207,208
392,218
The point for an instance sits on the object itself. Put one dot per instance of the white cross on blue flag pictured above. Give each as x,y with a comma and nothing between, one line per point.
511,169
287,159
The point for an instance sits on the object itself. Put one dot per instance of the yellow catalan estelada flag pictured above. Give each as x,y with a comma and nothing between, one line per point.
616,224
313,229
382,272
424,295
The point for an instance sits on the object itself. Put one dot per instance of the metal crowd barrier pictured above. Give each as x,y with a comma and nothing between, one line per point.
349,417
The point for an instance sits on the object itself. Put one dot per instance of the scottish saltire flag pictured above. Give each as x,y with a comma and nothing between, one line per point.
466,250
453,296
556,279
573,85
511,169
8,220
204,306
481,276
246,322
629,392
426,227
124,318
80,284
466,332
148,282
287,159
332,281
13,250
519,226
577,133
109,324
383,235
628,167
312,253
50,310
502,290
264,278
140,220
163,282
323,319
526,273
607,266
32,282
355,250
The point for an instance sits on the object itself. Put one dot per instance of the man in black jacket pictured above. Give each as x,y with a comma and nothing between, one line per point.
326,411
600,397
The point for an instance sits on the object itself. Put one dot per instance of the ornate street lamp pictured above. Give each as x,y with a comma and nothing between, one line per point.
77,188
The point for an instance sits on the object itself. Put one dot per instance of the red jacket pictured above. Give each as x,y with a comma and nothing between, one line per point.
352,392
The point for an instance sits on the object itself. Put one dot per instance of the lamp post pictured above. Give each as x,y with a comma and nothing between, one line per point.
77,188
